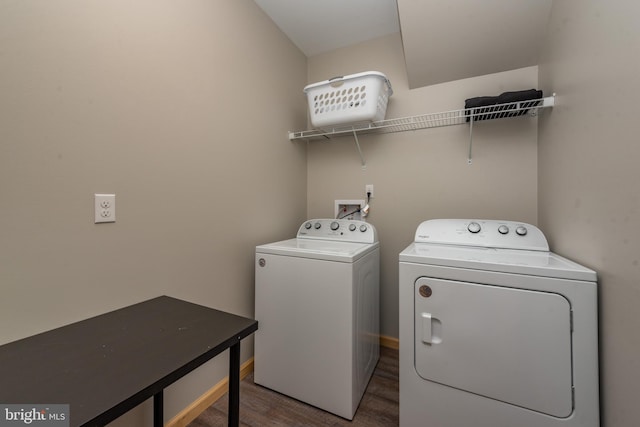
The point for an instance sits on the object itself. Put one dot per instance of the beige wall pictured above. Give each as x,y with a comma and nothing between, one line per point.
179,108
589,179
182,109
424,174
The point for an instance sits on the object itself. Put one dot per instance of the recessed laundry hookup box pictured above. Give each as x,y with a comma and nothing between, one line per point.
355,98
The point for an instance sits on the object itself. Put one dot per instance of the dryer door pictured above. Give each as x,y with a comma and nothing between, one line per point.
507,344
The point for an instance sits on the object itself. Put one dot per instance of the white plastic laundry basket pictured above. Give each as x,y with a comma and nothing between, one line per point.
355,98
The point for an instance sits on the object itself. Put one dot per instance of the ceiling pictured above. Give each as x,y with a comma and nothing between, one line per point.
443,40
318,26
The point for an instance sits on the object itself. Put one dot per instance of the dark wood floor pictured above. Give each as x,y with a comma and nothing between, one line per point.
260,407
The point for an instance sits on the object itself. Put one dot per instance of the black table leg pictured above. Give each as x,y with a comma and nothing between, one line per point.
158,410
234,385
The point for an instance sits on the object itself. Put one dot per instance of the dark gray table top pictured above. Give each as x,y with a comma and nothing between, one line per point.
106,365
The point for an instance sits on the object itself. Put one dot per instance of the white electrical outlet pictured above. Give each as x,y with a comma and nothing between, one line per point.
368,190
105,208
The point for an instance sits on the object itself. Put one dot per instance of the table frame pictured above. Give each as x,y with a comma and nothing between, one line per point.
87,364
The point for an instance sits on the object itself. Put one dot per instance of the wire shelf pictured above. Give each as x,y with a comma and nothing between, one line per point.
431,120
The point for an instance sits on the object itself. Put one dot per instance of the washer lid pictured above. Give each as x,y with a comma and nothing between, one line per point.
533,263
329,250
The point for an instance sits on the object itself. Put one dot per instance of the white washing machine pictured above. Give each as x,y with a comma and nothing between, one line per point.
317,303
495,330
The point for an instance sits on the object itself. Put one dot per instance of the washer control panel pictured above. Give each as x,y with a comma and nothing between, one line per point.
338,229
484,233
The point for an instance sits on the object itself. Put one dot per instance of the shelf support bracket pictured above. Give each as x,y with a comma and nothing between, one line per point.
469,161
362,161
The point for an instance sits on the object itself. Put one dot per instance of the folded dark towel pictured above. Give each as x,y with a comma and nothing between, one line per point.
484,107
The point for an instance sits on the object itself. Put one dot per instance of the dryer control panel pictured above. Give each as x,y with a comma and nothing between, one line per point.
483,233
338,229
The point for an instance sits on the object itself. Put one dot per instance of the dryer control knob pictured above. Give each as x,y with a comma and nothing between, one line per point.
307,225
503,229
335,225
474,227
521,231
317,225
352,227
363,228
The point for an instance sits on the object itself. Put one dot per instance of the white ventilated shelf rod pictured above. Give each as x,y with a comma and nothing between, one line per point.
431,120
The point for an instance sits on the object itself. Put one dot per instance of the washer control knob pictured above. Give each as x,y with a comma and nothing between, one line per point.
521,230
307,225
363,228
335,225
503,229
352,227
474,227
317,226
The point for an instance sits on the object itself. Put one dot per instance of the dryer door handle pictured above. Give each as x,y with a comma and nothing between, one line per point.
426,328
431,329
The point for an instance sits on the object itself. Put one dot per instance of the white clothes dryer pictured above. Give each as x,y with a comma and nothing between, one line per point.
317,304
495,330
